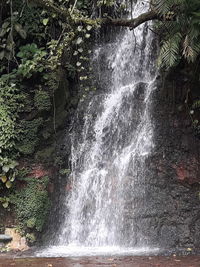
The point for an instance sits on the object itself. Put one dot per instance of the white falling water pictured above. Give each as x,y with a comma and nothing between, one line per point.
108,157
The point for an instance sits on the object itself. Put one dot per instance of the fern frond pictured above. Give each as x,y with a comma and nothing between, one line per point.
171,28
188,52
182,35
191,49
163,6
169,53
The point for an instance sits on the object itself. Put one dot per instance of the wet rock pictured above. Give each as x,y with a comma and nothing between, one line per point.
188,171
5,238
38,171
17,242
168,236
174,176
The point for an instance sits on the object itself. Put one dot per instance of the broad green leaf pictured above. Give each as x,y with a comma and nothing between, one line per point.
18,27
79,28
79,40
4,179
45,21
5,168
5,204
23,34
89,27
8,184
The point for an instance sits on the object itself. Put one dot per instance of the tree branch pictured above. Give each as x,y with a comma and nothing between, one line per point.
131,23
65,15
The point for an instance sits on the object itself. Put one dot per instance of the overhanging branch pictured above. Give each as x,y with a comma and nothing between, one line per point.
131,23
65,15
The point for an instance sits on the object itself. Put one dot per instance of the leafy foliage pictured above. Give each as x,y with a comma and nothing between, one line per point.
180,31
170,50
31,54
32,203
28,139
36,46
42,100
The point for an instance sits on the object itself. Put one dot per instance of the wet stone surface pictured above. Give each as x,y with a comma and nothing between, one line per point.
158,261
5,238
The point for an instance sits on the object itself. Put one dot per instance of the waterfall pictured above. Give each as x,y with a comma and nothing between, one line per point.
108,158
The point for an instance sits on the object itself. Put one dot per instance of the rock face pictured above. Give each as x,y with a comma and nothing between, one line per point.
171,215
5,238
17,241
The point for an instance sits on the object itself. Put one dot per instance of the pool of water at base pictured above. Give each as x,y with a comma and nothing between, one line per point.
97,261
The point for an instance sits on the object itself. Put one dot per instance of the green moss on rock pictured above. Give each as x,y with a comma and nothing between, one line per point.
61,118
42,100
31,238
32,203
31,223
46,155
29,136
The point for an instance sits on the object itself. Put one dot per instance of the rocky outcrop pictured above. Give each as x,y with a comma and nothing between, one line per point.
4,239
17,242
188,171
171,215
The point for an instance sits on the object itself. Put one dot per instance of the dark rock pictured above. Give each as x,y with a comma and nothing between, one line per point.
168,236
5,238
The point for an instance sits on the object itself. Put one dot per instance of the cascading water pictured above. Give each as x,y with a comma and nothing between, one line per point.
108,156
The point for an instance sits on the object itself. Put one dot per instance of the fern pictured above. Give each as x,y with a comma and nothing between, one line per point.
169,53
164,6
182,35
191,49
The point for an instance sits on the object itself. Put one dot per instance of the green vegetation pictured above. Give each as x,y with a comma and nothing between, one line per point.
31,203
42,41
34,42
180,31
28,138
42,100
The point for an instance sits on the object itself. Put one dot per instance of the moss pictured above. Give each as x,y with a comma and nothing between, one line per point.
47,133
27,103
29,136
42,100
27,148
61,118
32,204
45,155
31,223
31,237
